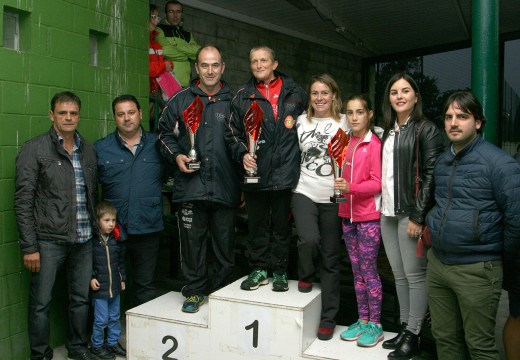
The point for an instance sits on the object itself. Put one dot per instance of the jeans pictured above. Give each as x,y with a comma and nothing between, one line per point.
106,315
463,306
408,269
319,243
77,259
143,251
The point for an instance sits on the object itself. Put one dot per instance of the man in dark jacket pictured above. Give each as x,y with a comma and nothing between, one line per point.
277,160
475,233
56,192
208,195
130,172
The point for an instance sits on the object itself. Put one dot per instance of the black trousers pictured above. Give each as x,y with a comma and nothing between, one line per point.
268,211
319,247
195,220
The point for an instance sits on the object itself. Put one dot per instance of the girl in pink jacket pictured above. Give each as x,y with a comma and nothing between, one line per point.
361,185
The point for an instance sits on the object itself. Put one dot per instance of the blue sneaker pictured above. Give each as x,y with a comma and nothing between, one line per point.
254,280
193,303
371,336
354,331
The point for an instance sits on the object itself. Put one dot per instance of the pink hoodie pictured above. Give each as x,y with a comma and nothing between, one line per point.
364,178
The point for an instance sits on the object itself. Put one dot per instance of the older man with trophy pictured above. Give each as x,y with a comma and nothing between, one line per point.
192,138
270,147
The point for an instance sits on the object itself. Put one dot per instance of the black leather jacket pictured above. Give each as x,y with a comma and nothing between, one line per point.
405,168
45,197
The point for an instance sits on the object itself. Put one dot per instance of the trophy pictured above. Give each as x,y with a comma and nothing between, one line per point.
337,145
192,116
253,127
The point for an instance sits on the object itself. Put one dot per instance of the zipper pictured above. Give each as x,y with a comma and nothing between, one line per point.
396,150
109,269
352,178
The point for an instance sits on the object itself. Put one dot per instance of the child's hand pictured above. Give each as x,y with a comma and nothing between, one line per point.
341,184
123,286
94,284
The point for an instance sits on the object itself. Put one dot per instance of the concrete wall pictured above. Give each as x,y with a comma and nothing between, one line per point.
298,58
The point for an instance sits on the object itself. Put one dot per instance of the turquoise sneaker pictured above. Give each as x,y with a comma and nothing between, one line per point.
371,336
193,303
354,331
254,280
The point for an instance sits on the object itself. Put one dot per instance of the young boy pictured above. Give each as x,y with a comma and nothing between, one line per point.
108,280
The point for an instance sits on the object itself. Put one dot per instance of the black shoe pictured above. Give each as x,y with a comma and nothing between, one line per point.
408,349
101,353
82,356
394,342
117,349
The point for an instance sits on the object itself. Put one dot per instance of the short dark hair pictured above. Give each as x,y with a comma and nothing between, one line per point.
389,114
171,2
207,46
105,207
63,97
153,7
468,103
124,98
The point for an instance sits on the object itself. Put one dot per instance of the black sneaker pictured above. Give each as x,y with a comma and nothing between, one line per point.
280,282
116,349
254,280
85,356
101,353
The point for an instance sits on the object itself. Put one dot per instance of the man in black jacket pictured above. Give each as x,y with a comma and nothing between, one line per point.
209,194
56,192
277,160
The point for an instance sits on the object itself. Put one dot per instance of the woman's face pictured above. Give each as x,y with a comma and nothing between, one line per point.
402,97
154,19
321,99
358,117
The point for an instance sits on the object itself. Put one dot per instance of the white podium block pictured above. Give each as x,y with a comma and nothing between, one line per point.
263,324
159,329
337,349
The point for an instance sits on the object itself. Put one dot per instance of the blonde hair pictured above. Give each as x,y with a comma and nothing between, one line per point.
335,107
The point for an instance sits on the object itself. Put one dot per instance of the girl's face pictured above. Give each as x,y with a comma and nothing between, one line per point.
358,116
402,98
321,99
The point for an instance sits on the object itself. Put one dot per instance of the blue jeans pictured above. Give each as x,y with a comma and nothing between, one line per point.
77,259
106,315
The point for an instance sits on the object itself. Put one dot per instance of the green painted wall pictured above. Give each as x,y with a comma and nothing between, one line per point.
54,56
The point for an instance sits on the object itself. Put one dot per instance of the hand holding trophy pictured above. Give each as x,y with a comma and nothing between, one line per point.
192,117
253,128
337,144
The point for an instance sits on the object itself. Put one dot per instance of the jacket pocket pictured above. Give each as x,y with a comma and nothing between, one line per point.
151,211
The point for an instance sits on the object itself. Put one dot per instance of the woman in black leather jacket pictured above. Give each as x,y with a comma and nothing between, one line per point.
407,196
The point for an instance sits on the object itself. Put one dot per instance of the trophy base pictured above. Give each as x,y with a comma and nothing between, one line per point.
337,200
251,179
193,165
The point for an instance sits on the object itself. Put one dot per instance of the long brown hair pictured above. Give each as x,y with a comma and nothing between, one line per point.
335,107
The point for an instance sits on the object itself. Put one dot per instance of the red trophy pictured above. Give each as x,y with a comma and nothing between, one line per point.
192,116
253,127
337,145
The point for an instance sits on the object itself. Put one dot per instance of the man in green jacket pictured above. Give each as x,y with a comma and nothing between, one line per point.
178,44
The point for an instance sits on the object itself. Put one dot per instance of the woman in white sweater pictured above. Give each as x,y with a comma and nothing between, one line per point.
316,218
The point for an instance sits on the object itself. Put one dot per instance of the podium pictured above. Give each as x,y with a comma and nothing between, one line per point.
238,324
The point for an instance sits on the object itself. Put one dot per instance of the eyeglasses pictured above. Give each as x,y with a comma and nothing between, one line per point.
174,11
155,17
